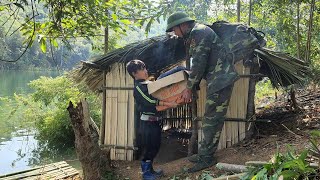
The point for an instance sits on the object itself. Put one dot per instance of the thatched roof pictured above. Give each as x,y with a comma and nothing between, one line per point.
161,52
157,53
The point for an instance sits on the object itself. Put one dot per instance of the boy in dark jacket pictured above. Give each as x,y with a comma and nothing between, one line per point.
147,105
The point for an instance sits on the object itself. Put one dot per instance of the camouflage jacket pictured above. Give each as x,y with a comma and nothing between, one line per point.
209,59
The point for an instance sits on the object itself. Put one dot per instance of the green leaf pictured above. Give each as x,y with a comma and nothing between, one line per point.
261,174
114,17
125,21
303,155
43,25
149,25
2,8
289,174
290,164
54,43
43,45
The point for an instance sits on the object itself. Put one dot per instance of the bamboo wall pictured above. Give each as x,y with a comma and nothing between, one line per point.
180,117
232,132
119,122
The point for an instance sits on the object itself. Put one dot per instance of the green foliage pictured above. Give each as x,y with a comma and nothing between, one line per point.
287,166
67,19
315,70
315,144
264,89
47,108
34,58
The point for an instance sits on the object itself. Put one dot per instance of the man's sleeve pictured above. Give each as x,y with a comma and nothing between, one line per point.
200,48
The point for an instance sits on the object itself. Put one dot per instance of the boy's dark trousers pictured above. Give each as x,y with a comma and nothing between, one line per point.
151,138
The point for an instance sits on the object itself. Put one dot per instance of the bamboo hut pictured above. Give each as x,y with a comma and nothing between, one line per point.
120,120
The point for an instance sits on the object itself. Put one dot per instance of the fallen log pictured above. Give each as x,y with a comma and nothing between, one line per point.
231,167
256,163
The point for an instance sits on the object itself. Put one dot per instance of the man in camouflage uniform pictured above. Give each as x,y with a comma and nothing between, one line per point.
209,60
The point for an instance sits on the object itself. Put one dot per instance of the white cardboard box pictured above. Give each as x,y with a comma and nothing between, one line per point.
168,86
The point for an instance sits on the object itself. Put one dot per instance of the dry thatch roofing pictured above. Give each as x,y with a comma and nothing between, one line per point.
160,52
157,53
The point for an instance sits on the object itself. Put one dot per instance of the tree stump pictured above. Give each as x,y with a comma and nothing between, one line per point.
93,160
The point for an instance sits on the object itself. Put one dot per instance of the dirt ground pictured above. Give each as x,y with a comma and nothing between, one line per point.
280,127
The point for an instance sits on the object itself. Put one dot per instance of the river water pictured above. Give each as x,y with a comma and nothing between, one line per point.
17,145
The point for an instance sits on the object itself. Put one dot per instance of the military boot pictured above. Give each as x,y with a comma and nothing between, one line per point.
194,158
203,163
146,171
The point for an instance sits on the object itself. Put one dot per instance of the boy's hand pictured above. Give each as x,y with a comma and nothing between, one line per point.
171,104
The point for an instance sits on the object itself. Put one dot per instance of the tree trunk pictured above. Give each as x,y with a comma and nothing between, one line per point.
308,48
298,29
93,160
250,9
106,35
104,83
238,10
104,106
293,98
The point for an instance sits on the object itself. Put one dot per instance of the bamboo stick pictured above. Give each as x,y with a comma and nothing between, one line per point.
130,115
114,104
125,113
246,95
104,103
120,112
108,111
238,102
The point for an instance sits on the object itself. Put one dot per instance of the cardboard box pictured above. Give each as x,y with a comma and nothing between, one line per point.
170,87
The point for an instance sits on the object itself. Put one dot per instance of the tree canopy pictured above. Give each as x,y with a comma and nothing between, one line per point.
290,25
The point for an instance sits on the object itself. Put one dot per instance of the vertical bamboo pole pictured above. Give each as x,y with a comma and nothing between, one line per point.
104,101
108,120
130,115
245,104
122,114
114,105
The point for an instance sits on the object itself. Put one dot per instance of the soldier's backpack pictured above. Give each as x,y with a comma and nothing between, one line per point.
240,40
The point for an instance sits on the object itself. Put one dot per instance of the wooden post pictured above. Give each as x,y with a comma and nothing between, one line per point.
251,96
104,101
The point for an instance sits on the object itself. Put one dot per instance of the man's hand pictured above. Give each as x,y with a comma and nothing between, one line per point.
187,95
171,104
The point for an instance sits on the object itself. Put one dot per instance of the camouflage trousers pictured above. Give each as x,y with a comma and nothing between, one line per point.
213,120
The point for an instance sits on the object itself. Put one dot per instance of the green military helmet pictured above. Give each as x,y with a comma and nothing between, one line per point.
176,19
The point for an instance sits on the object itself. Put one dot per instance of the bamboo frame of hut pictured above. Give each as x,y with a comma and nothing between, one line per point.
119,122
232,132
119,118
